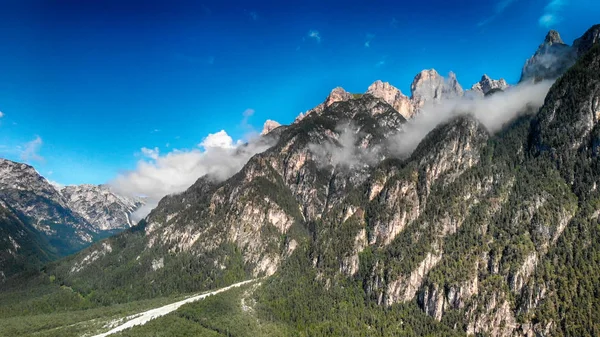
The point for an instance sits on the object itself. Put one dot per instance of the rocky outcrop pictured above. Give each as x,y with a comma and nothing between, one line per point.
338,94
491,313
269,126
405,288
437,300
429,86
393,96
486,85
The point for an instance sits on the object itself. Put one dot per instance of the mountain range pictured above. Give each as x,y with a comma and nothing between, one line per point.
487,226
59,220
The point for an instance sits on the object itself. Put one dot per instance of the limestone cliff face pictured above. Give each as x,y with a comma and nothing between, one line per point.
486,85
429,86
393,96
269,126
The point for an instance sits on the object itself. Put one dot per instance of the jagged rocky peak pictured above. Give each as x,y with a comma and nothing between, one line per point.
393,96
429,85
486,84
338,94
269,126
553,37
552,58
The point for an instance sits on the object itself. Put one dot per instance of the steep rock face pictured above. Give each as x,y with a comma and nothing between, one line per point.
486,84
393,96
102,208
31,195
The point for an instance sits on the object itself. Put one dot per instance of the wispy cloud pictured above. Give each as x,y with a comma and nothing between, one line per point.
31,149
394,23
253,15
500,7
1,114
314,34
370,37
550,17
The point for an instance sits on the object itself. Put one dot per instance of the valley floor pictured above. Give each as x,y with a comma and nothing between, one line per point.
146,316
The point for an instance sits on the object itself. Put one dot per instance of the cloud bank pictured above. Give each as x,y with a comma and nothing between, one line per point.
158,175
492,111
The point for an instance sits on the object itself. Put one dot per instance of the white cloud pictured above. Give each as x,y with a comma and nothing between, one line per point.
150,153
314,34
1,114
218,156
218,140
30,150
551,16
493,112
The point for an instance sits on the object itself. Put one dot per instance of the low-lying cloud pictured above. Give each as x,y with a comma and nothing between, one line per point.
345,150
158,175
492,111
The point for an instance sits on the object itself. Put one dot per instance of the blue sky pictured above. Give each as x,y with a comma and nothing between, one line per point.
85,85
